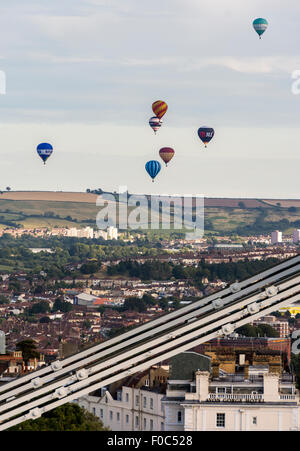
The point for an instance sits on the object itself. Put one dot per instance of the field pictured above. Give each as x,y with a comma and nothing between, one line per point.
33,209
49,196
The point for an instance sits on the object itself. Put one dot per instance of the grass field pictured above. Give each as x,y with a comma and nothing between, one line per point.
66,209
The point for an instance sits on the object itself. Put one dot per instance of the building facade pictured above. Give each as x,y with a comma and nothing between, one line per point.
133,404
276,237
261,402
134,409
296,236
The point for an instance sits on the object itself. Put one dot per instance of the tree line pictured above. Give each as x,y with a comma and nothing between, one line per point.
157,270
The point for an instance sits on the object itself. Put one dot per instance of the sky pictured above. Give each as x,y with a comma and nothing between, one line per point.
83,74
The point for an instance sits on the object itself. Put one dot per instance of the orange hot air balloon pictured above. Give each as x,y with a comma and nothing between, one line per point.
159,108
166,154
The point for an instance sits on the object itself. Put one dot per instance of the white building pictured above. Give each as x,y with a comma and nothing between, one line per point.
87,232
134,409
296,236
2,342
112,233
261,402
37,250
72,232
84,299
276,237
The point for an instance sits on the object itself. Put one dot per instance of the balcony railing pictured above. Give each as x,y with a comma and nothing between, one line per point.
247,397
230,397
287,397
285,378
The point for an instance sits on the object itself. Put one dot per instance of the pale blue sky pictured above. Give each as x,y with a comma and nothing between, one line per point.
82,75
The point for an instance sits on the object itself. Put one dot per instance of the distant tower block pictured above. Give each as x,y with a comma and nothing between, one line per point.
296,236
276,237
2,342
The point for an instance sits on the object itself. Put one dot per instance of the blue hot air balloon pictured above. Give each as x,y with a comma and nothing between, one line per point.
44,150
260,25
153,167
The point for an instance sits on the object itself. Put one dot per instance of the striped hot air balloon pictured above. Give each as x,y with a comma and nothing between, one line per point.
260,25
206,134
155,123
44,151
159,108
153,167
166,154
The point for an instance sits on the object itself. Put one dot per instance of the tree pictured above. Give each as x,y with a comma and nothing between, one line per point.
136,304
39,307
62,306
247,330
164,304
45,320
261,330
28,348
4,299
265,330
69,417
90,267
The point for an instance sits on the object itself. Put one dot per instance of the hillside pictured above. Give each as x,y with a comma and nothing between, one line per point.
222,215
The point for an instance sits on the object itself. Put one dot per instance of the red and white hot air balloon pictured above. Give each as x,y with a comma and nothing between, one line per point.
155,123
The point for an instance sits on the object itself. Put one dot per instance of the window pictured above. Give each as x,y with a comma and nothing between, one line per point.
179,416
127,419
151,425
145,401
136,421
254,420
220,420
101,413
118,416
221,390
162,426
145,423
151,403
110,415
127,397
137,400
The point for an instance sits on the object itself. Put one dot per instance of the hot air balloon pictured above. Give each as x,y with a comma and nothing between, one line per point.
159,108
44,150
166,154
260,25
153,167
155,123
206,134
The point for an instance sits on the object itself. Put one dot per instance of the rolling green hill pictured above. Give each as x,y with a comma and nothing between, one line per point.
34,209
